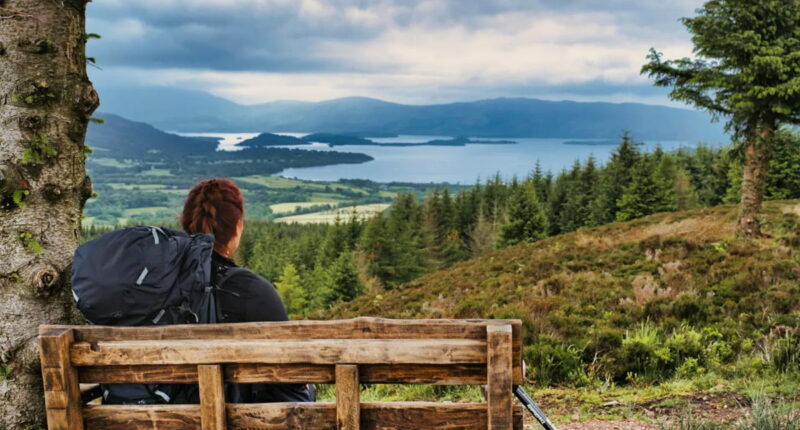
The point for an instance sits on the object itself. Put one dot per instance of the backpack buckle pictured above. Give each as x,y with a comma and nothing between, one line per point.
187,312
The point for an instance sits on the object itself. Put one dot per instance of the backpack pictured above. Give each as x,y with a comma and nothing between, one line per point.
140,276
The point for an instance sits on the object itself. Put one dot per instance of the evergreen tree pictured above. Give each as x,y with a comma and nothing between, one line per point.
664,174
527,219
467,208
291,290
346,285
494,199
483,237
558,198
745,70
783,181
581,186
644,195
615,177
685,194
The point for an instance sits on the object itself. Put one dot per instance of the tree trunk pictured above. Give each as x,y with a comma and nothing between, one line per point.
45,102
756,164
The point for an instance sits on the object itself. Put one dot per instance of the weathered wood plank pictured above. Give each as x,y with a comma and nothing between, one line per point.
409,351
296,416
348,399
499,377
253,373
152,417
359,328
434,374
62,393
212,397
145,374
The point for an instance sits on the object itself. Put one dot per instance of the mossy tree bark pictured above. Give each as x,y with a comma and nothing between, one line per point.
756,164
45,102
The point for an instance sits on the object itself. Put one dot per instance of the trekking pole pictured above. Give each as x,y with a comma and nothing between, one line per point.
530,405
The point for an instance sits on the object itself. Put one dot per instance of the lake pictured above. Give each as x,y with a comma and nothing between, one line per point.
453,164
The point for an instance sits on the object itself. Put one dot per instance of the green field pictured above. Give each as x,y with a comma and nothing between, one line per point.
288,208
330,216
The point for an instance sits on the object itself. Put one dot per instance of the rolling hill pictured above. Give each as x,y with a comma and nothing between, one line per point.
669,295
194,111
120,136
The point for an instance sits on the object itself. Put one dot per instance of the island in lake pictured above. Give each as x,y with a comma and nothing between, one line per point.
332,139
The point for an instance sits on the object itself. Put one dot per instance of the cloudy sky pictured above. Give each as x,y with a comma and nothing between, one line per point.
410,51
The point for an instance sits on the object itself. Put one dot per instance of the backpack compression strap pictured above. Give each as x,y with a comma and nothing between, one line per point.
223,273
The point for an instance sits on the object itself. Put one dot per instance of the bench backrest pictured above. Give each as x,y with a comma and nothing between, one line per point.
346,353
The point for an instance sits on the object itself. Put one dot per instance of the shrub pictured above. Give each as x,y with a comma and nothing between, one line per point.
644,357
551,362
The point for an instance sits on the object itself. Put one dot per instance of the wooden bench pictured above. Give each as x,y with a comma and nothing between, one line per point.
346,353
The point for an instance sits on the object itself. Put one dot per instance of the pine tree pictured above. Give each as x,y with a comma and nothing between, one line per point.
783,181
527,219
581,185
291,290
558,198
685,194
616,176
745,70
644,195
664,175
344,277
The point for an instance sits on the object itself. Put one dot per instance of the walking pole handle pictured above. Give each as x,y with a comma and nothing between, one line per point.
530,405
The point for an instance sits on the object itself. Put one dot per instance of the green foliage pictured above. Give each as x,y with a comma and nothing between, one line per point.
30,243
18,197
291,290
38,151
651,189
553,362
527,220
345,279
745,71
746,64
5,371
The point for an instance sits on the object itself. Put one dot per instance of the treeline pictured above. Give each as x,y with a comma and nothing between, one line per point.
315,266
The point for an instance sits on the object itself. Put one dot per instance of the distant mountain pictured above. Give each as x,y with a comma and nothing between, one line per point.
124,137
182,110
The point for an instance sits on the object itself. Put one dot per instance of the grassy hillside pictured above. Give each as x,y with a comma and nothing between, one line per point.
673,294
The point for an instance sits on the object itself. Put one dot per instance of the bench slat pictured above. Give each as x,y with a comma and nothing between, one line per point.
348,398
296,416
499,377
251,373
212,397
355,351
357,328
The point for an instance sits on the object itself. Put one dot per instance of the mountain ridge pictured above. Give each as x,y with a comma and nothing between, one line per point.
518,117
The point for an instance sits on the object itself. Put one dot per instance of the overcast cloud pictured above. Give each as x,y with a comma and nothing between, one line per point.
413,51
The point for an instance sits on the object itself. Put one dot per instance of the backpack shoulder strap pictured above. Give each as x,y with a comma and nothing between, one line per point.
223,274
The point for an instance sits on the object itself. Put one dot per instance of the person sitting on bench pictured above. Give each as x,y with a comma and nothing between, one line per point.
216,206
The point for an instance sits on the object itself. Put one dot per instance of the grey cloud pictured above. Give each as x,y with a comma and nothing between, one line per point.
277,36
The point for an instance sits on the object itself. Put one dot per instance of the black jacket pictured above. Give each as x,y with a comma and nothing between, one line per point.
246,297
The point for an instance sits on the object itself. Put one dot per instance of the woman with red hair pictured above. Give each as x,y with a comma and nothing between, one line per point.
216,207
